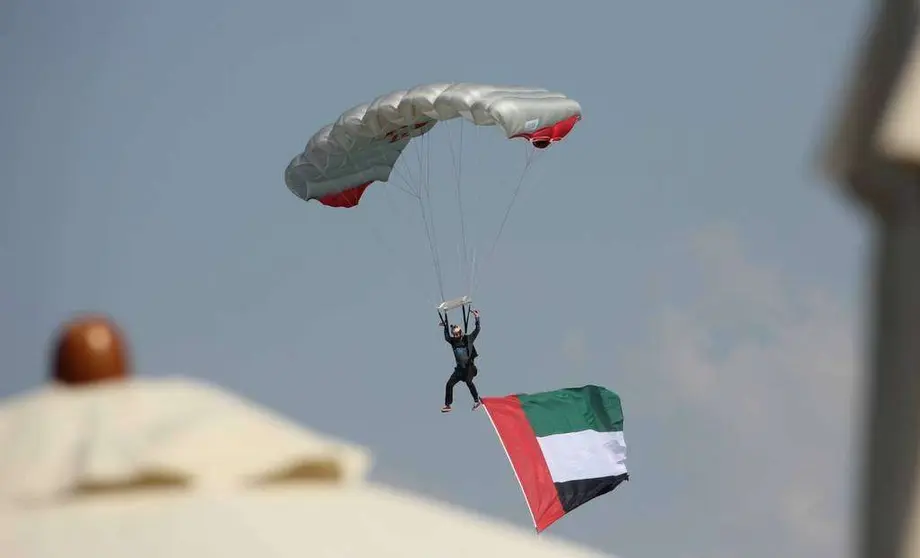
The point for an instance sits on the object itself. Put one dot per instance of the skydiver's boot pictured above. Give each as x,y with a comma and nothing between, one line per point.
477,404
445,409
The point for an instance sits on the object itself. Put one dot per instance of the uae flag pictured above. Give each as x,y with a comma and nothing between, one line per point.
566,446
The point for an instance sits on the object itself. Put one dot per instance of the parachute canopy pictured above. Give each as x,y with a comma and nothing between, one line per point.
566,446
343,158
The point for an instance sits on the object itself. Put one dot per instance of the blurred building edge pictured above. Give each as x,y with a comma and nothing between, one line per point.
852,155
874,153
102,464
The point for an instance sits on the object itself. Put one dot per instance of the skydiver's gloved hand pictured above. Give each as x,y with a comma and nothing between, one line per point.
476,314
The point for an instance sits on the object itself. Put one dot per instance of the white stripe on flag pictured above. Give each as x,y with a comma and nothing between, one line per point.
584,455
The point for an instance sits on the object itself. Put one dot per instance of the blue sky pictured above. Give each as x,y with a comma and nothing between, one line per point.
680,247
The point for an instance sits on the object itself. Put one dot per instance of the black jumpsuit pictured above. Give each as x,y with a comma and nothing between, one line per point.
465,368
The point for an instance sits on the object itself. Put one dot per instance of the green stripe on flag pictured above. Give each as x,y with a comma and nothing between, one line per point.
573,410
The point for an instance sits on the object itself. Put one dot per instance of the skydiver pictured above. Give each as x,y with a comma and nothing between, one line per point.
465,361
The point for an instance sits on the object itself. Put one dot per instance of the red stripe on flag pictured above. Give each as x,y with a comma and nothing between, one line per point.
520,443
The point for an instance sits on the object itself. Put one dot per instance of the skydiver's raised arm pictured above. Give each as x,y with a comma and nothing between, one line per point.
446,331
475,330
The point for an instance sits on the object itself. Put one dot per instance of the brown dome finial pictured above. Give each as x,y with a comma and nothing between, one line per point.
90,349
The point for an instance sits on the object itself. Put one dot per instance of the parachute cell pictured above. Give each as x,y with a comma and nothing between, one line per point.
362,146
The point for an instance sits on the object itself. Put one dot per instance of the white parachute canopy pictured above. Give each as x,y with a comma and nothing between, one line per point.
363,145
366,144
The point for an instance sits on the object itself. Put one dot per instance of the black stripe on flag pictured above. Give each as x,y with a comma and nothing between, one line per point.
576,492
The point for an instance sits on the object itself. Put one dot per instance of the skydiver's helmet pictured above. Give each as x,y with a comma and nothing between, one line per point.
456,331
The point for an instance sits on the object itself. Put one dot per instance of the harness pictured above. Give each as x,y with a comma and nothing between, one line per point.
466,310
